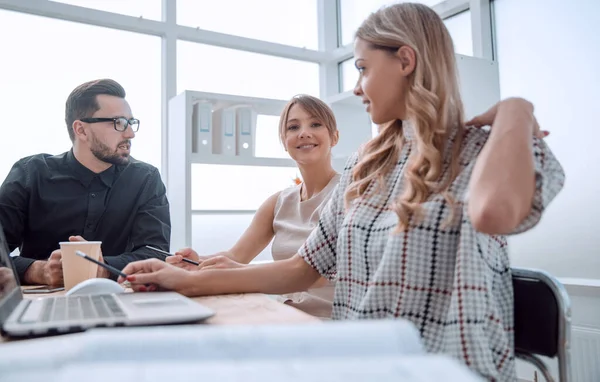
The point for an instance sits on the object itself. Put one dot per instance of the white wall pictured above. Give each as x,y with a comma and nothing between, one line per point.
549,52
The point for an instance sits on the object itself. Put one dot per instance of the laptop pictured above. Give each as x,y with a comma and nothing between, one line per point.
21,317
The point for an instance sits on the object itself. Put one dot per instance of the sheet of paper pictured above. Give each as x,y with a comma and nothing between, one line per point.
225,342
405,368
332,351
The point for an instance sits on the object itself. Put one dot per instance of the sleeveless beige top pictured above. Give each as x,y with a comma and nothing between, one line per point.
294,221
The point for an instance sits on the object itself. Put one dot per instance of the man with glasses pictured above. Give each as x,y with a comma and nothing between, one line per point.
94,192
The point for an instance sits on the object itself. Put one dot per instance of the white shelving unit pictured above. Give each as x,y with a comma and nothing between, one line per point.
257,161
182,155
479,87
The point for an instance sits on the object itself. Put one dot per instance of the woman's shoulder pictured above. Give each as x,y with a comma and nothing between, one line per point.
290,190
286,194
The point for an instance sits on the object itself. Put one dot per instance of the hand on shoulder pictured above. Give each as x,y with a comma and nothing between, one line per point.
512,106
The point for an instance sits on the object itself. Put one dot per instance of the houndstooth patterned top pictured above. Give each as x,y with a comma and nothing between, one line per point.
451,281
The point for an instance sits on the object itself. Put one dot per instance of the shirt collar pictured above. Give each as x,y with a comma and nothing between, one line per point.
85,175
408,131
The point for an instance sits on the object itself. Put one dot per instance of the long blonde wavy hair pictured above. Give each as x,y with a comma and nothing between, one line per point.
433,108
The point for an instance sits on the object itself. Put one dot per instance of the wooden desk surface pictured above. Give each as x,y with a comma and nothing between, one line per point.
235,309
250,308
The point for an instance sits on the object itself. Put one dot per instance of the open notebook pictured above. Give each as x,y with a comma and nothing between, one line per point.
331,351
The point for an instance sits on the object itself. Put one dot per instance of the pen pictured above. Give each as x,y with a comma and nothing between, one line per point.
106,266
170,254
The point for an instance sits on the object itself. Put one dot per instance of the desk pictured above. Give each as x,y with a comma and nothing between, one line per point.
232,309
357,350
250,308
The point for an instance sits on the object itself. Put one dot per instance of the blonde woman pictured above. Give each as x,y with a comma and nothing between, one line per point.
308,131
417,227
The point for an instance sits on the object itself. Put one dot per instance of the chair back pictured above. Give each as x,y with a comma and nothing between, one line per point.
542,317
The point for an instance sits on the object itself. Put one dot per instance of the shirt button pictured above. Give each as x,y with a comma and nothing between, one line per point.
93,195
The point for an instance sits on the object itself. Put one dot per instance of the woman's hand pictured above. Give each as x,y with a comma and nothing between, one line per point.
488,118
185,253
219,262
152,274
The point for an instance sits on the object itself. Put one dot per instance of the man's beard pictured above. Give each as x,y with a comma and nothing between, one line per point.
106,154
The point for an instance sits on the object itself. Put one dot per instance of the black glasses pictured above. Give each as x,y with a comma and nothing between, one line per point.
120,123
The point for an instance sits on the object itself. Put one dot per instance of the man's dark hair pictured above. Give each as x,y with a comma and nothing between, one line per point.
82,102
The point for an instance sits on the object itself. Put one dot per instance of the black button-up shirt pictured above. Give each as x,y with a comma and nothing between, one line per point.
45,199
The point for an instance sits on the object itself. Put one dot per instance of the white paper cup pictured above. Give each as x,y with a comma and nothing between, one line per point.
77,269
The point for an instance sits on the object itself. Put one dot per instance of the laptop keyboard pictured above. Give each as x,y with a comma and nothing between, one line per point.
73,308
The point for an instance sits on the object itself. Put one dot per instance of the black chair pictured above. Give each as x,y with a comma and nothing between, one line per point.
542,321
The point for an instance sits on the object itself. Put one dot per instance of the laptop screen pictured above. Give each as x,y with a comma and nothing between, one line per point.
10,291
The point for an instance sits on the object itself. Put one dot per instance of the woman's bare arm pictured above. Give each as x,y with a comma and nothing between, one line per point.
503,179
279,277
257,236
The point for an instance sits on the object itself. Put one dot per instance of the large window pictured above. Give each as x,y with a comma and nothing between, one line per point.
45,59
219,70
353,12
459,27
148,9
280,21
349,74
